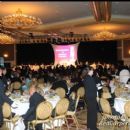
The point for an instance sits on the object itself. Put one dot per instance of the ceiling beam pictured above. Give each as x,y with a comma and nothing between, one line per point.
95,7
105,8
101,10
62,25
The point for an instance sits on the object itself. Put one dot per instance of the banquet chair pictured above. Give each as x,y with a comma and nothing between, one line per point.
107,112
72,114
43,115
105,89
81,94
7,115
60,92
106,94
16,86
40,85
127,113
61,112
118,91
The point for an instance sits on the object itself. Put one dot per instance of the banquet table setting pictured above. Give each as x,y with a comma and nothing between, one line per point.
21,105
119,102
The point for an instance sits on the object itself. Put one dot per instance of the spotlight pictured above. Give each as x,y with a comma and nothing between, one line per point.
5,55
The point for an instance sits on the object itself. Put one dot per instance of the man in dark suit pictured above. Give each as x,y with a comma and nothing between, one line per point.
4,77
3,98
3,88
35,100
90,95
2,84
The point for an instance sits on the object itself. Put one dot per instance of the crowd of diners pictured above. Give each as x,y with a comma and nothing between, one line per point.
68,77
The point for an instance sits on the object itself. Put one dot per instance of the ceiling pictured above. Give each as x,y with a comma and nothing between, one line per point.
65,17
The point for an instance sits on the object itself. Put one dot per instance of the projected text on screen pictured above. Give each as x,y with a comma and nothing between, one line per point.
65,54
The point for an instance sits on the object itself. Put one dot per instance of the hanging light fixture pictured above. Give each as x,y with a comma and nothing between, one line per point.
4,37
104,35
20,20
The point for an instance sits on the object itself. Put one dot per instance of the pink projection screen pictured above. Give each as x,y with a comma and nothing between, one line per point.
65,54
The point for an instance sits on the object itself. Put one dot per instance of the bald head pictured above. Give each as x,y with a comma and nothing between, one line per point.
32,87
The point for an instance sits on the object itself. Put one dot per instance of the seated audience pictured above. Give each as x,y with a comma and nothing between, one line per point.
35,100
60,83
3,98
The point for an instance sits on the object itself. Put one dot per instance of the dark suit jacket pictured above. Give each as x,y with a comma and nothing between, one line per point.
34,101
90,87
76,87
2,85
3,98
60,83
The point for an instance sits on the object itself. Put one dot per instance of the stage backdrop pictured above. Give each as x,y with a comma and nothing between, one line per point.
35,54
103,51
65,54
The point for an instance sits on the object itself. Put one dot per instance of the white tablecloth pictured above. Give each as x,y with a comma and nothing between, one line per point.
21,105
53,100
119,104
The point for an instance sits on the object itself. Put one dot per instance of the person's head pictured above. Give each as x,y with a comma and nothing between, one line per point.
90,71
87,71
67,78
34,79
4,71
32,88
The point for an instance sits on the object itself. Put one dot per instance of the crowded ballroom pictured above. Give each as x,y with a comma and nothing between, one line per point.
64,65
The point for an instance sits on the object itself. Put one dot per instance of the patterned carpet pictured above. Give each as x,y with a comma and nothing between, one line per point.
81,116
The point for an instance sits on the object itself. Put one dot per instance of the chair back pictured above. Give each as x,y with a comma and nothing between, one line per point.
118,91
6,108
106,95
40,85
62,106
127,109
60,92
105,89
44,110
73,95
106,108
81,92
77,101
16,85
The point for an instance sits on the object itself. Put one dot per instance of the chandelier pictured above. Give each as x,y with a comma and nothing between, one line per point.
4,35
104,35
6,39
20,20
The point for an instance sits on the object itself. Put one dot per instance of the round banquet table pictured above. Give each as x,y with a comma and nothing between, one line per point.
119,103
21,105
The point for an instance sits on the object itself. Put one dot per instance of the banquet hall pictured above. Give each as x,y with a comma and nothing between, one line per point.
45,49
